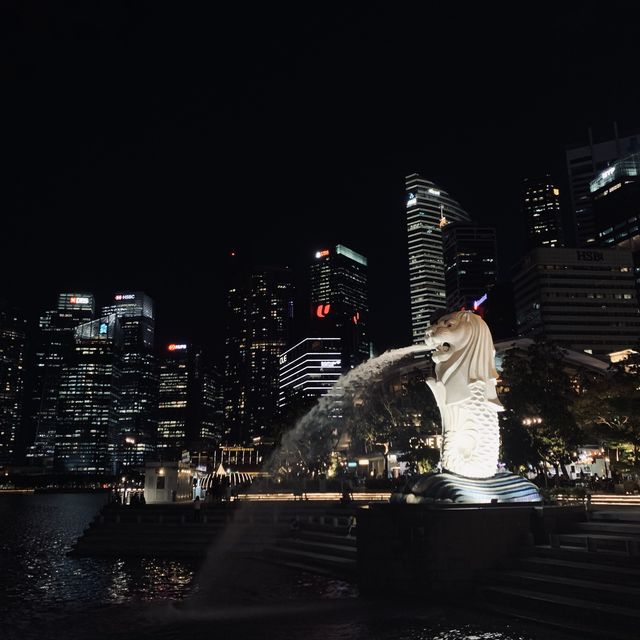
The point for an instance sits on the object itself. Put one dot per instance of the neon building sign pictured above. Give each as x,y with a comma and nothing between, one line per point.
322,310
479,301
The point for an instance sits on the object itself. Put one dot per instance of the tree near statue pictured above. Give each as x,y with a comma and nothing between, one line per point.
538,386
609,413
395,413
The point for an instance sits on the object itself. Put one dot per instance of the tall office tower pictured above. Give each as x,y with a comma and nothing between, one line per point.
13,340
541,208
54,348
188,403
340,302
135,439
470,264
583,164
88,399
308,370
429,209
616,206
259,316
584,299
615,195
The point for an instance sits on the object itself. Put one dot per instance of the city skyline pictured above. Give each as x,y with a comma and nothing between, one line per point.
126,152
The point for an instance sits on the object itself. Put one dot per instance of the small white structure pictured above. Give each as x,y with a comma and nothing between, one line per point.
168,482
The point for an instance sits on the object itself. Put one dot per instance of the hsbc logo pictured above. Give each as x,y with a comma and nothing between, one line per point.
590,256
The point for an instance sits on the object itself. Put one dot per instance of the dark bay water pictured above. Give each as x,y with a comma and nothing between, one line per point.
47,594
41,584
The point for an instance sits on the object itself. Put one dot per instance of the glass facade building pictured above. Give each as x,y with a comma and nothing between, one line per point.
259,319
584,163
470,264
189,409
134,442
616,206
13,341
88,399
429,208
542,213
308,370
54,348
340,302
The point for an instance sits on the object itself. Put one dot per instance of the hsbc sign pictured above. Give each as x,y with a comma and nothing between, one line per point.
590,256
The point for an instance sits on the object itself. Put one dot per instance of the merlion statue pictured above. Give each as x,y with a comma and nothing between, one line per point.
465,391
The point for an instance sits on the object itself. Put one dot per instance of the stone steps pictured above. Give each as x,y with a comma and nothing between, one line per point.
574,627
580,588
324,548
603,619
576,569
618,516
612,527
311,561
586,580
594,542
329,537
580,554
319,548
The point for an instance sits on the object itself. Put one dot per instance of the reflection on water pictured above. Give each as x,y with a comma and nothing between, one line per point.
39,581
44,593
466,633
148,580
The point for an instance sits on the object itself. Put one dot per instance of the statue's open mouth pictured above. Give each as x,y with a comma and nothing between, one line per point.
443,348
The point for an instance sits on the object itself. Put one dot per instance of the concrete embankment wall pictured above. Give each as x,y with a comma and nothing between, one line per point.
440,549
177,530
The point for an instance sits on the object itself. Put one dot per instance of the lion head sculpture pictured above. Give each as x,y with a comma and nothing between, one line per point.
464,354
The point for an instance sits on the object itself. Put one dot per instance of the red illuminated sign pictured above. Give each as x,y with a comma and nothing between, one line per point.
356,317
176,347
322,310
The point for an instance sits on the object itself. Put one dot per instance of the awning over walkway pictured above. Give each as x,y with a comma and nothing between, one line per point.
235,479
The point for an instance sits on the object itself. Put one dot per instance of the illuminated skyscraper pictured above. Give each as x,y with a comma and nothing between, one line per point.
340,302
189,402
54,348
259,316
584,299
88,399
136,432
308,370
541,208
584,163
429,208
12,364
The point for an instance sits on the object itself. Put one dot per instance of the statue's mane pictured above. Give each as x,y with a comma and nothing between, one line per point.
471,362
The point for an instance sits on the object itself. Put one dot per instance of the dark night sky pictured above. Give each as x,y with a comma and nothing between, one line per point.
144,140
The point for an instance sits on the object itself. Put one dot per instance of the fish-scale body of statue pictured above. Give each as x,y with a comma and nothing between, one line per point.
465,391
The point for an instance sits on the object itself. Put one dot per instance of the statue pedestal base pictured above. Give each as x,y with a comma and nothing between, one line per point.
440,550
449,487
